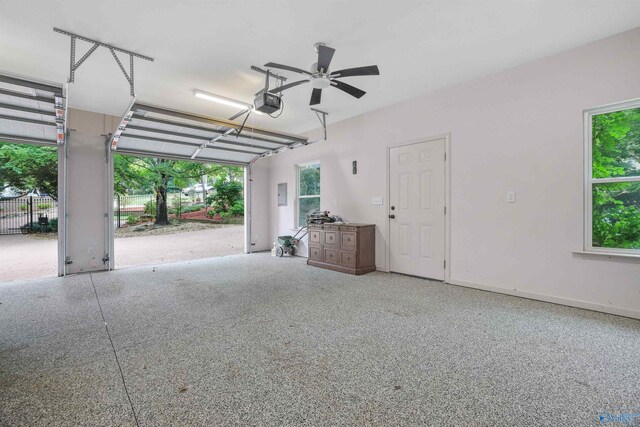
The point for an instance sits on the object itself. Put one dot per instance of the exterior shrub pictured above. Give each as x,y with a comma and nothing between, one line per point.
227,194
237,209
133,219
150,207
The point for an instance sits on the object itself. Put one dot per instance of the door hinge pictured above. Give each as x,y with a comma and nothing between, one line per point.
445,210
445,157
444,264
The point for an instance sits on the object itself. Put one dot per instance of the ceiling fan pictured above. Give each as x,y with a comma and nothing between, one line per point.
321,77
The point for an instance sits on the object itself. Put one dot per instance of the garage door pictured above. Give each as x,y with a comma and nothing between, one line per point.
148,130
31,111
34,112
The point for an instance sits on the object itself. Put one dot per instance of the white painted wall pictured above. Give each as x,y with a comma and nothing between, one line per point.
517,130
261,235
87,190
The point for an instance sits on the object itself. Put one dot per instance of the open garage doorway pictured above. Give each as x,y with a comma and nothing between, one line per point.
32,178
168,210
29,211
180,148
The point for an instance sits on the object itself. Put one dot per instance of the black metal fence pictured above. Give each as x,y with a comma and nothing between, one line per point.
28,214
129,209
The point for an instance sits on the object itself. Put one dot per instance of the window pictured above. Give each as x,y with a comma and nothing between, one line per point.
612,191
308,191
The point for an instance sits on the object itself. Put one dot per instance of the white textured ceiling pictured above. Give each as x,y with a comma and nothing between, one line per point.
420,46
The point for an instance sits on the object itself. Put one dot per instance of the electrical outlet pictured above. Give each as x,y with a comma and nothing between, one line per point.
511,196
376,200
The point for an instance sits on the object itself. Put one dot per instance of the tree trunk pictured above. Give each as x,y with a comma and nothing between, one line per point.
162,212
203,180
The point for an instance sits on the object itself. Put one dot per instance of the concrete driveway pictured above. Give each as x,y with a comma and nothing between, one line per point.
23,257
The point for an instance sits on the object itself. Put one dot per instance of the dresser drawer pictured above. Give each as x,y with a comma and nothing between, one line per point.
331,238
315,253
331,256
348,240
314,236
348,259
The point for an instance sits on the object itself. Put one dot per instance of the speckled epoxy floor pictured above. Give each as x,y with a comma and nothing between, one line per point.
256,340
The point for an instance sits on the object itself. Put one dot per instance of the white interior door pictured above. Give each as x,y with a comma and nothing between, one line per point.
417,209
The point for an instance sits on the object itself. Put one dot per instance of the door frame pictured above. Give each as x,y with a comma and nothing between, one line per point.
447,200
62,210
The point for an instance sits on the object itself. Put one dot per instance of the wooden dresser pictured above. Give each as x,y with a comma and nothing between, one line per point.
349,248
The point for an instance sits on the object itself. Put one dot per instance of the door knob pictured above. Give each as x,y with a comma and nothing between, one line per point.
392,216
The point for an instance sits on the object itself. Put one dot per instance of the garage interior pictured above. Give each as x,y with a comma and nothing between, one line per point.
441,214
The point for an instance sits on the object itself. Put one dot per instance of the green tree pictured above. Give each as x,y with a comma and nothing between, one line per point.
616,153
28,167
310,180
156,175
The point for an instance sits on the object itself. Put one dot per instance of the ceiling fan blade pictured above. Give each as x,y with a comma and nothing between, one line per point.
325,55
315,97
351,90
287,86
371,70
286,67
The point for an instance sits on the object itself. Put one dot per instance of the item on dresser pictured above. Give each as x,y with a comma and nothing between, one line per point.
348,248
319,217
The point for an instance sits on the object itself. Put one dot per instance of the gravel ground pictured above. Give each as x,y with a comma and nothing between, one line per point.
148,229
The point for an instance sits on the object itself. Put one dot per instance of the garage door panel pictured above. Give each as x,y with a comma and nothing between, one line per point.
164,132
28,114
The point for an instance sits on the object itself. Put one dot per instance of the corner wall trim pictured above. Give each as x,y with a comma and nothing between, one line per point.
586,305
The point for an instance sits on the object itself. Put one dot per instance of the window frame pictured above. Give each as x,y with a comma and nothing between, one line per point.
589,181
297,226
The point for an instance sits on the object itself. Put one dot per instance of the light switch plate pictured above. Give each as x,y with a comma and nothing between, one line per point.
376,200
511,196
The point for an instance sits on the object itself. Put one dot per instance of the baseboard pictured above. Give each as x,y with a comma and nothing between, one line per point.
618,311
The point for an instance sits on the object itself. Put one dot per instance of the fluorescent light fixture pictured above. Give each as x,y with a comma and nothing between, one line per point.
221,99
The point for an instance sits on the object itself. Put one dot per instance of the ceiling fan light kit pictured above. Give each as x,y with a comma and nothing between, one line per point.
321,77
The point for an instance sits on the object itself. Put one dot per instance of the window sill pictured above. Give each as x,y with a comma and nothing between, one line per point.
609,255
